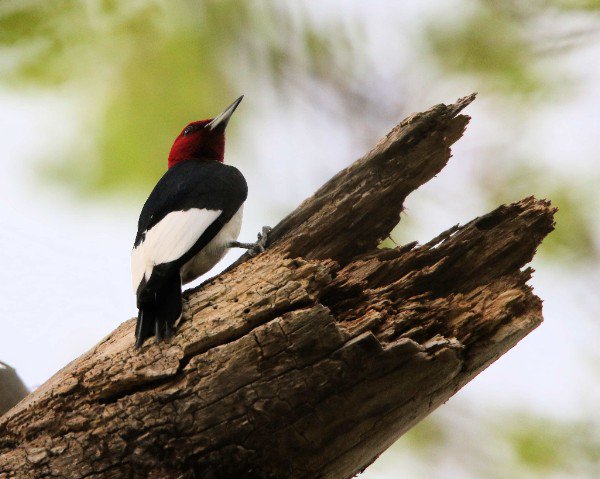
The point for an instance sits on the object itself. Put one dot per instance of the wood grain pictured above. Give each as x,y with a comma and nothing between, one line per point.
310,359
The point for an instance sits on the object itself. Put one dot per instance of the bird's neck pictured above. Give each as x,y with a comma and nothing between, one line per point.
175,160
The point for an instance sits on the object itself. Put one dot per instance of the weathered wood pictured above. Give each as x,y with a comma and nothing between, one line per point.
311,359
12,389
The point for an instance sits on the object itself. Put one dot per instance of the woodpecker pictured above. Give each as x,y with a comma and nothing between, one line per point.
192,216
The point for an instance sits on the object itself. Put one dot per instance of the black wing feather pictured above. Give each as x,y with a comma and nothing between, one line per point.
190,184
194,184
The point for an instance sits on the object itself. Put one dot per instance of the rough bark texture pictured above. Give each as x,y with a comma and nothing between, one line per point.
311,359
12,389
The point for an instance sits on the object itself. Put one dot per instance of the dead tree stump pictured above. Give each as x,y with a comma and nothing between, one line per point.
308,360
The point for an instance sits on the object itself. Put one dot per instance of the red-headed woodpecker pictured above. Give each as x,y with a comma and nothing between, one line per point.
193,214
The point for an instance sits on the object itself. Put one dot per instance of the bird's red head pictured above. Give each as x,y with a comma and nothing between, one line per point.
204,139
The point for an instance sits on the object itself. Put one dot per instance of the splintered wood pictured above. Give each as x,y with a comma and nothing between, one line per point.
308,360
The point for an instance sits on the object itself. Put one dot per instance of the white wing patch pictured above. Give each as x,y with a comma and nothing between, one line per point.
168,240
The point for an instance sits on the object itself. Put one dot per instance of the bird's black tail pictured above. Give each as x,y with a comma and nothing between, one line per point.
158,311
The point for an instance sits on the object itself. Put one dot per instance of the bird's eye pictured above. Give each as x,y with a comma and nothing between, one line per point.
188,130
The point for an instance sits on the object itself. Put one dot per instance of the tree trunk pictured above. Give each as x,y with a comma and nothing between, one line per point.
311,359
12,389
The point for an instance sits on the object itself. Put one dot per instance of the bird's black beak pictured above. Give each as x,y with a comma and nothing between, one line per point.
222,120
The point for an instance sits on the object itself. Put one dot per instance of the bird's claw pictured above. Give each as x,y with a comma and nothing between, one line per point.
261,243
263,236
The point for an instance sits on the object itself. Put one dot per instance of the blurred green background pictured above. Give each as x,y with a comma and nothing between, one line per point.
94,92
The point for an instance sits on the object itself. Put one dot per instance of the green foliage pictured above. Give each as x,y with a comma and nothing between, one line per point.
542,445
514,444
428,435
60,41
577,5
537,447
490,44
574,238
147,68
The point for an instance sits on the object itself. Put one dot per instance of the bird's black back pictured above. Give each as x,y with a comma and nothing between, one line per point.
190,184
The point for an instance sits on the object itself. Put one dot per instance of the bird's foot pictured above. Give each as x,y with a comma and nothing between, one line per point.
261,242
257,247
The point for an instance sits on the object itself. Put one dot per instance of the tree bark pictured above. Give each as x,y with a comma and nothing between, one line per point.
12,389
310,359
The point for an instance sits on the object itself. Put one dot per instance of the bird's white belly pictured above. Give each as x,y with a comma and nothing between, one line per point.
212,253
